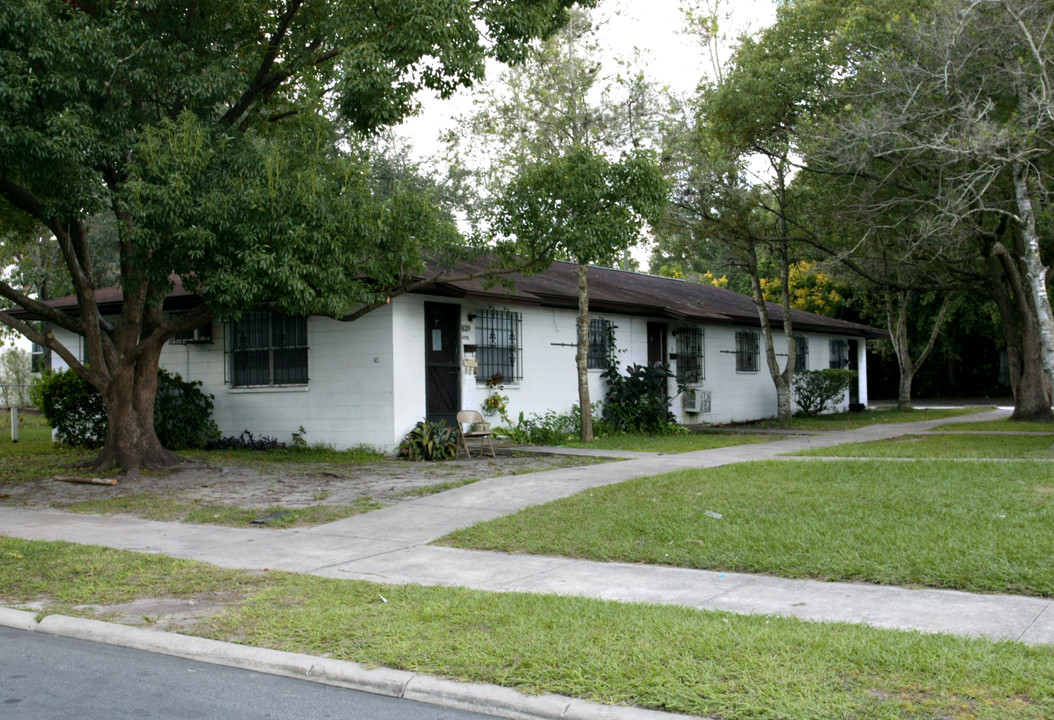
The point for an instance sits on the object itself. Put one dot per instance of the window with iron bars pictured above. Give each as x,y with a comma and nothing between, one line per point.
601,334
801,361
499,348
691,367
748,351
839,354
267,349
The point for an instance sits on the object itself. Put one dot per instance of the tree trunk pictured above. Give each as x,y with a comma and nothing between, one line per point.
1035,271
897,324
904,389
582,355
131,441
1028,380
782,379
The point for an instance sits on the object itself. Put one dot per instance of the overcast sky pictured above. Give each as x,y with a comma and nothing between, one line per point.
655,27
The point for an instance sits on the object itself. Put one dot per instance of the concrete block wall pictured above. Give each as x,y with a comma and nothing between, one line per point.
367,377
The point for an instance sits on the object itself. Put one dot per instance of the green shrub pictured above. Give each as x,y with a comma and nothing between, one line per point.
72,407
550,428
818,390
638,402
75,409
429,441
183,413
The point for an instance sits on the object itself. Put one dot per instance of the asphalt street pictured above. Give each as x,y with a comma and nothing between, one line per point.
44,677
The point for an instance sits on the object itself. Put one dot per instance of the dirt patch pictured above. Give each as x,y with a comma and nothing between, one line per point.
294,485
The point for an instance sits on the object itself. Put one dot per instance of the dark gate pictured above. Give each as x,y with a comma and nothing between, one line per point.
442,372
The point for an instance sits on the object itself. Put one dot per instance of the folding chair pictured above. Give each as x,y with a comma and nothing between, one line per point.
471,417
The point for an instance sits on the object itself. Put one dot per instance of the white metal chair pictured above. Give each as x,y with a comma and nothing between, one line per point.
471,417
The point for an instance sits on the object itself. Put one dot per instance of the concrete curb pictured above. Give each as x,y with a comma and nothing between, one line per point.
473,697
18,619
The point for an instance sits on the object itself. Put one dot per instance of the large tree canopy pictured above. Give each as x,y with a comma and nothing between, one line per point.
220,136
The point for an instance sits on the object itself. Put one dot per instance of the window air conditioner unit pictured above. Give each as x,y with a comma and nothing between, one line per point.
695,399
197,336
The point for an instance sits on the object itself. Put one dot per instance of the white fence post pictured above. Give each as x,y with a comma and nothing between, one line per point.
14,424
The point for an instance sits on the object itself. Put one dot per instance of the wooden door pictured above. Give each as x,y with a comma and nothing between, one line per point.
442,372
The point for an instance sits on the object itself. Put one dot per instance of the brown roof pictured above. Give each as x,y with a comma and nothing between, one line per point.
634,293
615,291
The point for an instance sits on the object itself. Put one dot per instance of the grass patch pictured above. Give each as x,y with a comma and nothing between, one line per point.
32,428
321,453
1003,425
676,659
670,443
158,507
945,446
854,420
982,527
34,455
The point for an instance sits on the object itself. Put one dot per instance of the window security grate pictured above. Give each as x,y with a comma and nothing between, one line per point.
600,332
748,351
691,367
801,361
498,345
268,349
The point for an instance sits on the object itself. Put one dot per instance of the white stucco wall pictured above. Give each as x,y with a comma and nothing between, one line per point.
367,377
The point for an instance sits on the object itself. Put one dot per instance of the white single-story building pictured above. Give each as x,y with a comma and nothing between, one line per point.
430,353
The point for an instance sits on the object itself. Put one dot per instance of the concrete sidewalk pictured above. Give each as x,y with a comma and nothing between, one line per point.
391,545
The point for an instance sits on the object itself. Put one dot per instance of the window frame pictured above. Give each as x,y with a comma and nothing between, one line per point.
801,358
506,325
839,354
748,359
269,343
601,331
36,358
691,354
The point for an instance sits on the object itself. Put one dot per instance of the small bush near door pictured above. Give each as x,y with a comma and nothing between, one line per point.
638,402
429,441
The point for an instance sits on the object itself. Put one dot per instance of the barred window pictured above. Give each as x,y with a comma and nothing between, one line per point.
691,367
801,361
839,354
267,349
748,351
601,333
499,347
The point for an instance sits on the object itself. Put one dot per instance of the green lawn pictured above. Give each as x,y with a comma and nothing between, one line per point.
1029,447
670,443
851,421
32,429
36,456
676,659
983,526
1004,425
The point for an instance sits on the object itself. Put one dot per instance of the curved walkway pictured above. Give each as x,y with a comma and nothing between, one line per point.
392,546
